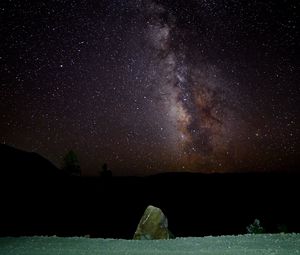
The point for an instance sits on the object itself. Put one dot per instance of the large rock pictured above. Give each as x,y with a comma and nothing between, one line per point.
153,225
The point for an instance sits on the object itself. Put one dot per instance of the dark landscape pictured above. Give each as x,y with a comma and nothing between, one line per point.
39,199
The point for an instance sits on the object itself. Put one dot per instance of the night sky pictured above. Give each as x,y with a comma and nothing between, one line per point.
151,86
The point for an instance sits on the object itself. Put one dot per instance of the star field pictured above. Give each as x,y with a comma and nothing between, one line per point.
150,86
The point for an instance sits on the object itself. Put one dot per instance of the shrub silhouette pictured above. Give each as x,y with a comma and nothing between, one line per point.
255,228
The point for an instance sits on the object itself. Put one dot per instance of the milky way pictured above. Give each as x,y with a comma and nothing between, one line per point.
196,105
151,86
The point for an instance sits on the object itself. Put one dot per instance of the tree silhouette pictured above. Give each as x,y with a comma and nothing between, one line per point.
71,164
105,173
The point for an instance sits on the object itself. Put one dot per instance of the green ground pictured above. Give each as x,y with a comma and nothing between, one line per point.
268,244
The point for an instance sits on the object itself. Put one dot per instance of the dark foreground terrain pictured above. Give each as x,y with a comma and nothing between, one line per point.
38,199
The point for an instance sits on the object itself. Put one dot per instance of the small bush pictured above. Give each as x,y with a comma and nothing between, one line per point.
255,228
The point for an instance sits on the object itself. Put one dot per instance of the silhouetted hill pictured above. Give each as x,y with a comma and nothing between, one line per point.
21,164
195,204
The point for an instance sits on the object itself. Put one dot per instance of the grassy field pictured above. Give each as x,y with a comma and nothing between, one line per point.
268,244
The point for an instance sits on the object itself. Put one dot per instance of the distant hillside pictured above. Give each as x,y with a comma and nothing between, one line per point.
34,203
19,163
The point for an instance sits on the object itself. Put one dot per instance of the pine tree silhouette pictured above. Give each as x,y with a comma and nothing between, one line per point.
71,164
105,173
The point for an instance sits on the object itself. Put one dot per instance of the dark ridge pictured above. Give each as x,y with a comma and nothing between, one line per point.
195,204
21,164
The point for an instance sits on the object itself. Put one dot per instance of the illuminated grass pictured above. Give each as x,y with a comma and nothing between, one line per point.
234,245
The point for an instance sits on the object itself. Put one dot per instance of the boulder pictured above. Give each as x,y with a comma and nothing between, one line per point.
153,225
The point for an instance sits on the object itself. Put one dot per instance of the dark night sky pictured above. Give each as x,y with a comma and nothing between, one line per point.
149,86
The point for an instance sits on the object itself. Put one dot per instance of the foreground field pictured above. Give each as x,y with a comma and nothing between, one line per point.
268,244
